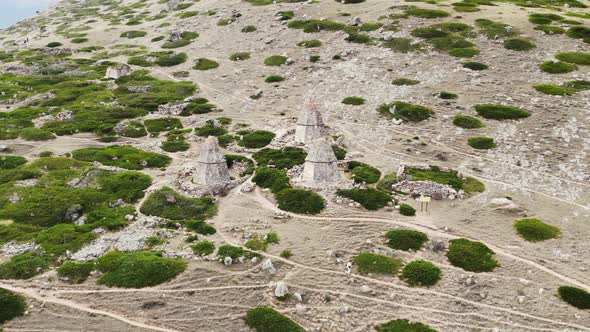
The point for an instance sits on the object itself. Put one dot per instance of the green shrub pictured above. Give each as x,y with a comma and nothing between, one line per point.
256,244
239,56
471,255
10,162
23,266
266,319
339,152
128,186
404,325
403,45
205,64
210,130
313,25
519,44
175,44
249,28
534,230
579,32
310,43
60,238
579,58
475,65
538,18
171,60
122,156
188,14
350,1
406,111
554,90
134,129
286,253
557,67
368,262
139,269
500,112
481,142
577,297
406,210
493,30
167,203
256,139
447,95
369,198
133,34
203,248
358,38
275,60
387,182
405,239
579,85
79,40
54,44
200,227
284,158
157,39
272,178
353,100
175,146
426,13
13,305
75,272
366,174
272,237
467,122
435,174
162,124
550,29
421,273
300,201
473,185
285,15
464,52
227,250
35,134
274,79
404,81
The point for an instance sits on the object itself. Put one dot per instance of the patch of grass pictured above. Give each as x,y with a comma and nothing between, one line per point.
210,129
404,325
403,45
13,305
467,122
426,13
275,60
75,272
58,239
475,65
300,201
203,248
519,44
54,44
365,174
435,174
239,56
274,78
24,266
538,18
284,158
578,58
579,32
133,34
35,134
369,198
286,253
255,139
481,142
501,112
471,255
405,111
405,239
367,262
534,230
310,43
10,162
266,319
421,273
447,95
272,178
575,296
167,203
162,124
353,100
314,25
579,85
358,38
555,90
227,250
171,60
122,156
256,244
387,181
404,81
493,30
472,185
406,210
339,152
465,52
188,14
205,64
79,40
557,67
138,269
550,29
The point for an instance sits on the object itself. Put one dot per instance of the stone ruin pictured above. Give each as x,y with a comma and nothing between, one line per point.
321,165
211,166
309,125
427,188
116,72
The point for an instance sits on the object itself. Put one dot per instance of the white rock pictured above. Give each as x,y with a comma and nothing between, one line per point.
268,267
281,290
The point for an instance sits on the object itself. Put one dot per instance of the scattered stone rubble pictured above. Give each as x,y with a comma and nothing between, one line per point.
427,188
118,71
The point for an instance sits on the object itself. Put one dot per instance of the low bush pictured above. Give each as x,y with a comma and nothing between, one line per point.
358,38
286,253
554,90
266,319
58,239
275,60
447,95
128,186
421,273
284,158
550,29
171,60
122,156
501,112
366,174
271,178
246,163
35,134
285,15
256,244
369,198
578,58
481,142
464,52
495,30
353,100
368,262
519,44
79,40
13,305
138,269
134,129
239,56
386,183
579,32
471,256
248,28
426,13
310,43
210,129
274,79
534,230
475,65
75,272
557,67
404,325
133,34
300,201
205,64
255,139
24,266
435,174
227,250
406,210
404,81
162,124
10,162
203,248
200,227
579,85
405,111
538,18
339,152
54,44
575,296
405,239
167,203
472,185
467,122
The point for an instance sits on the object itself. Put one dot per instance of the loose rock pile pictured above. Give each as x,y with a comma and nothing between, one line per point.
427,188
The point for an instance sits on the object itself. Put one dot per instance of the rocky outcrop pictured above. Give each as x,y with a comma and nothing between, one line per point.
427,188
116,72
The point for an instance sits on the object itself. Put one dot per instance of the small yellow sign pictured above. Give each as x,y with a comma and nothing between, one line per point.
425,199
